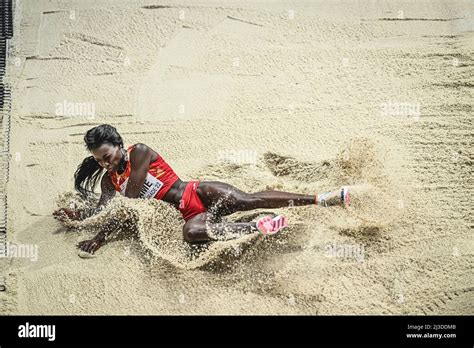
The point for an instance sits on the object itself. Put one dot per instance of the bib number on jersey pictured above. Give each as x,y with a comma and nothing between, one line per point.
150,187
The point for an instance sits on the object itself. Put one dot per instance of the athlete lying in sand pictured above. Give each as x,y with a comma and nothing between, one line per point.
139,172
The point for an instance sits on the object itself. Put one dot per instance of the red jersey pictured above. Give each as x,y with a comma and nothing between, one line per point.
159,179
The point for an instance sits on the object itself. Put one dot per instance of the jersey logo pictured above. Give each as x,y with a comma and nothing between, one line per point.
159,172
150,187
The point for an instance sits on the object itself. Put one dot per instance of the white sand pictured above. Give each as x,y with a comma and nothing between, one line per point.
320,82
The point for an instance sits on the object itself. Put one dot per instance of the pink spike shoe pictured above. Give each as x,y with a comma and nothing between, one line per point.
268,225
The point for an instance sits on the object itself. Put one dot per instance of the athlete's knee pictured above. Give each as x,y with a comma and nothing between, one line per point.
193,234
189,235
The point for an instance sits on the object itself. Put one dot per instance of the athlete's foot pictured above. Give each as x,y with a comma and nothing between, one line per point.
338,197
268,225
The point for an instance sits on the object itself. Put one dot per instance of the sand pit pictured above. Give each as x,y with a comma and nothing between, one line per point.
263,95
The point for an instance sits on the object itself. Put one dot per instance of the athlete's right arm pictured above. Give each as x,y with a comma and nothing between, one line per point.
108,192
92,245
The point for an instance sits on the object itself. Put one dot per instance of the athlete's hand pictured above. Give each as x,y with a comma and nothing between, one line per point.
63,213
91,245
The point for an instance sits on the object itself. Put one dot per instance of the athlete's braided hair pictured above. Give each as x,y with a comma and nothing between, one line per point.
89,171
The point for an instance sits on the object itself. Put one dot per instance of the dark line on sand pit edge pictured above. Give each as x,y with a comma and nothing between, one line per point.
55,11
157,7
243,21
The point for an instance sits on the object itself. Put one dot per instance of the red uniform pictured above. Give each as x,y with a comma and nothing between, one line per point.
160,178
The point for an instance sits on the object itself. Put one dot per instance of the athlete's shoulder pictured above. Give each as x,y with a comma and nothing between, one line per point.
139,148
140,153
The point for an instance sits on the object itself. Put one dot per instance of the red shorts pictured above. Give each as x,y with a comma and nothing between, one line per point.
190,204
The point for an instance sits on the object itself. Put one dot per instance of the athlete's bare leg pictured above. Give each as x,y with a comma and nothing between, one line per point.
228,199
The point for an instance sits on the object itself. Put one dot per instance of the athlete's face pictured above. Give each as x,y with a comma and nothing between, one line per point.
108,156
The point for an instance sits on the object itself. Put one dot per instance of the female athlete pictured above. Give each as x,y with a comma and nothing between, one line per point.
140,172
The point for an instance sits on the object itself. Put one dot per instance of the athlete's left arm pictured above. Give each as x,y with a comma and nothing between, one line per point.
140,158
